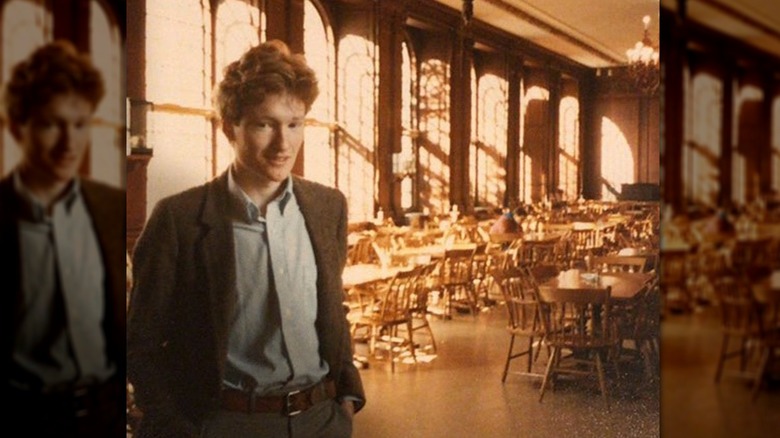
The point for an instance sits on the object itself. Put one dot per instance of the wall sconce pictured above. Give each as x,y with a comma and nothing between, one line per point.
137,112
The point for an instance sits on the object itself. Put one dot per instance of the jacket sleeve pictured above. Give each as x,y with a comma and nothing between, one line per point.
351,386
154,279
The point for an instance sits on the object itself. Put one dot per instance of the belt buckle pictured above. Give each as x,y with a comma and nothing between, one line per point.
288,404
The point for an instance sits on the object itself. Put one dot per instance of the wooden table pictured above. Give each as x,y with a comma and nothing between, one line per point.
432,251
625,285
366,273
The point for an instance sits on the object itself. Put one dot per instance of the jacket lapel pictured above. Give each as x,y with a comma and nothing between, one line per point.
218,253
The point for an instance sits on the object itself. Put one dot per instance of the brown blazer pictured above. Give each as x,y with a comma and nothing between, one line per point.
106,206
184,294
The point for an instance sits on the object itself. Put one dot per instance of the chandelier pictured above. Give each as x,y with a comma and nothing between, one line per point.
643,65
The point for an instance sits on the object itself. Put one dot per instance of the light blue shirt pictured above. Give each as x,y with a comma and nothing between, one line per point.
59,336
273,343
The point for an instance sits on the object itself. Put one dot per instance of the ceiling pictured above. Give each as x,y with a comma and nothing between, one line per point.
597,33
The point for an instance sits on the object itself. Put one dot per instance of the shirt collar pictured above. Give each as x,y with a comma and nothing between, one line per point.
243,205
34,208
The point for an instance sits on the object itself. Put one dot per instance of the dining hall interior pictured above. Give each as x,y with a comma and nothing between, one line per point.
434,119
517,141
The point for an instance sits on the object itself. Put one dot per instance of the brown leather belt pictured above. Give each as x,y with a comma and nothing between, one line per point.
290,404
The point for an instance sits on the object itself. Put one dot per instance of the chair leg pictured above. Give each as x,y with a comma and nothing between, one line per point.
547,372
722,357
602,382
508,358
411,339
530,352
759,379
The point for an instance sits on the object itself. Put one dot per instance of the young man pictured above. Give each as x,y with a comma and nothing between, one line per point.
62,243
236,321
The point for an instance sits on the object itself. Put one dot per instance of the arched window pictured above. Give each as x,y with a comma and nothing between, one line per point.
434,149
747,118
569,142
238,27
26,25
357,101
488,154
701,154
533,153
405,162
179,84
319,157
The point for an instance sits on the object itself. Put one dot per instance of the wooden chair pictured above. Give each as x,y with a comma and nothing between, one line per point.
619,264
386,313
673,274
523,311
455,280
768,303
579,321
739,322
638,323
419,302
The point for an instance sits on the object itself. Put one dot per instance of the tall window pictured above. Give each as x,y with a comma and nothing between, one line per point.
26,25
569,144
239,26
701,154
534,153
434,149
488,154
319,157
747,124
405,162
357,101
179,84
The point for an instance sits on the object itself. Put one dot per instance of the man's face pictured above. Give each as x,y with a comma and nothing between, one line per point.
55,138
268,137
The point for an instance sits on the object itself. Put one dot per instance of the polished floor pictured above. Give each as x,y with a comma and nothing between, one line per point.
692,403
460,394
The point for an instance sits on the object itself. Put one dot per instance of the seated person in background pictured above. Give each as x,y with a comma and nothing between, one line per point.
505,229
557,199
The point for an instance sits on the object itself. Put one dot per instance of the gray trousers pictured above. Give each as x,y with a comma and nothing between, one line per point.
326,419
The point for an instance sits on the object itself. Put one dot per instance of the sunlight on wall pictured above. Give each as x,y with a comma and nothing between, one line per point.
617,160
701,154
357,98
319,158
569,143
488,155
435,140
107,154
25,26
